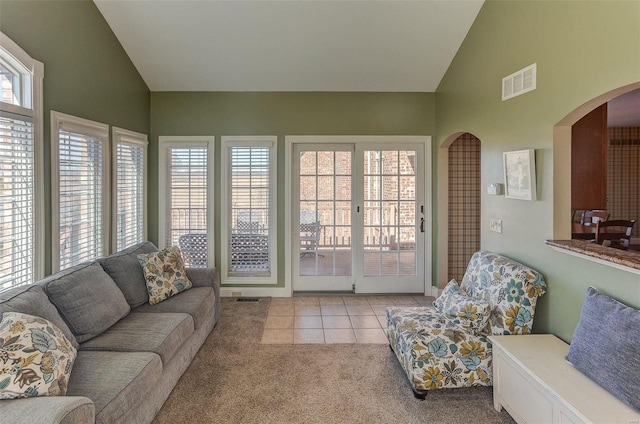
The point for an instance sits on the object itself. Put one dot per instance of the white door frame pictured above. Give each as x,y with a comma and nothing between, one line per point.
291,140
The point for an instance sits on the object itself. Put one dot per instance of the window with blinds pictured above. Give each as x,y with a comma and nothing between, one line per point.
187,180
80,185
130,186
21,182
16,201
250,210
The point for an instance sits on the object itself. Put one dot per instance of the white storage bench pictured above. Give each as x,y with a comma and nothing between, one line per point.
535,384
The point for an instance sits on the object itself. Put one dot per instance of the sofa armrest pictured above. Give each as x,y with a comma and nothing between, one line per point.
205,277
49,410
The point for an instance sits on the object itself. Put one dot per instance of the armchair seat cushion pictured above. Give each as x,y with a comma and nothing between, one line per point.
434,352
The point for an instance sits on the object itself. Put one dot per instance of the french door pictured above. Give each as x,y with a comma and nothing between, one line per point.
358,217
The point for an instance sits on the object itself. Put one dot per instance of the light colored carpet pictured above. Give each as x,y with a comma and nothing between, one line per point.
235,379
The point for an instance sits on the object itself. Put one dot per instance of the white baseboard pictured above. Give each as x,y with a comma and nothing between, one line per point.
432,291
282,291
255,292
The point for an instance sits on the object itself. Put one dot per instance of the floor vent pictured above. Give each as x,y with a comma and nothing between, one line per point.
519,82
247,299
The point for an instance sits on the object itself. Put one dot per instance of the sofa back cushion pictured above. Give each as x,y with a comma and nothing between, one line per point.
511,288
87,298
32,300
124,269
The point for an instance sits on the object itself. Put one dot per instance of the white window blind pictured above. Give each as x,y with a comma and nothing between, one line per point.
249,232
187,180
250,211
16,201
130,160
21,178
80,185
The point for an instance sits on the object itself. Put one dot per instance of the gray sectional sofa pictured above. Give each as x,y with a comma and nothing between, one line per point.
130,353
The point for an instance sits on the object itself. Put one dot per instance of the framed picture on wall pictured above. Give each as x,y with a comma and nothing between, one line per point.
520,174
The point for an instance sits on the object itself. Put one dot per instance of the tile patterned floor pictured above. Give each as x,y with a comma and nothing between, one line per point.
332,319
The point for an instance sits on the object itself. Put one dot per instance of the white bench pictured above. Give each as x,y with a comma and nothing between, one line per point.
535,384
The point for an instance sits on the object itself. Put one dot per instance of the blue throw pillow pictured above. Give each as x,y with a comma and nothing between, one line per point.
606,346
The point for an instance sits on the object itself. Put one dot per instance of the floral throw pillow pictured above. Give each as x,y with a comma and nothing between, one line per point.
470,314
35,357
164,274
450,289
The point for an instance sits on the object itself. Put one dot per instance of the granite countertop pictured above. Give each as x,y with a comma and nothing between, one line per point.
630,259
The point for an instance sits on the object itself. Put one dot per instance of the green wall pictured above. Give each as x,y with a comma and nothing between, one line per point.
582,50
280,114
86,71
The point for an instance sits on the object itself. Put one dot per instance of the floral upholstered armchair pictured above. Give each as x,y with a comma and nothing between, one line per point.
446,346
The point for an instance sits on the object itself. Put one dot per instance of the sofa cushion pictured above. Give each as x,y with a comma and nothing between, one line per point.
197,302
87,298
164,273
124,269
36,357
32,300
606,346
114,381
163,334
50,409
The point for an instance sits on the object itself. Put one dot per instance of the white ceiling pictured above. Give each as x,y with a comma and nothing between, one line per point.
297,45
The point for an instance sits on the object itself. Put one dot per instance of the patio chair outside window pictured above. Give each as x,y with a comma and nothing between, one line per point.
309,233
194,250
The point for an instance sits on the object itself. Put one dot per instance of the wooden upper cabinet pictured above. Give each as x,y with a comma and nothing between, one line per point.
589,161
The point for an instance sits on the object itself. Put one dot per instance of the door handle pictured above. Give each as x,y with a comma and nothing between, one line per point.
422,225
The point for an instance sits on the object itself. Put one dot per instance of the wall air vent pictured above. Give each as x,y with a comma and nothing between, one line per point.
519,82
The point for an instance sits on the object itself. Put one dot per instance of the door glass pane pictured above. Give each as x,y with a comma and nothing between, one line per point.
389,213
325,163
307,163
326,188
407,265
325,213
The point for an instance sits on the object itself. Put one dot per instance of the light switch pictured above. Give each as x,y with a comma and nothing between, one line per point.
495,225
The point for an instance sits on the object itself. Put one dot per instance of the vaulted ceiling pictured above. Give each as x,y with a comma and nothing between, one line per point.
297,45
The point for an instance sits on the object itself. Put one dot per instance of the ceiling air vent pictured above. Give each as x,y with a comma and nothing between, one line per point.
519,82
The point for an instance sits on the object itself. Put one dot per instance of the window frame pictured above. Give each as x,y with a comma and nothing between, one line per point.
122,136
88,128
31,92
228,142
165,144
